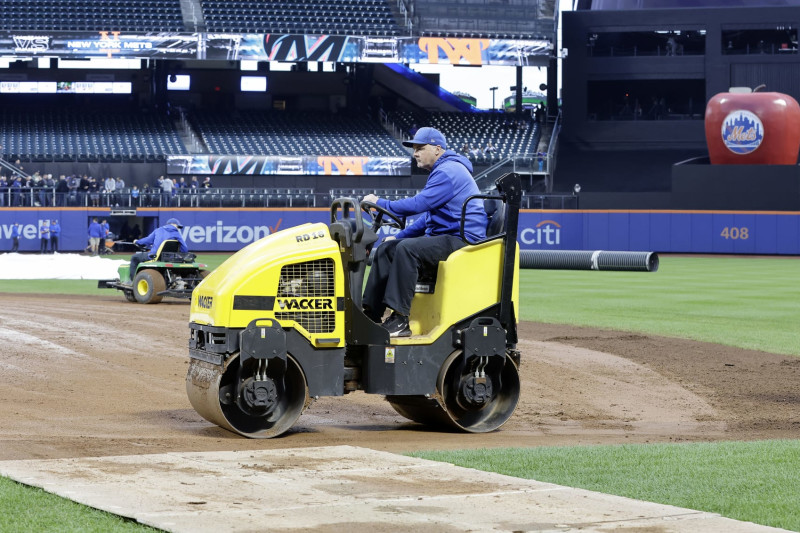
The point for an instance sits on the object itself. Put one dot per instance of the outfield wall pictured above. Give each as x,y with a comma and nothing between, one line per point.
225,230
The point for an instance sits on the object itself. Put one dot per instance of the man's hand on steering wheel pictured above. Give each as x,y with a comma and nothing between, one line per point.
380,216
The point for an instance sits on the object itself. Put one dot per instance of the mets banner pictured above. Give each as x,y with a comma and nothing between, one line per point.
221,165
274,47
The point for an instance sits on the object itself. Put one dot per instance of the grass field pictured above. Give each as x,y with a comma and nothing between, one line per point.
749,302
751,481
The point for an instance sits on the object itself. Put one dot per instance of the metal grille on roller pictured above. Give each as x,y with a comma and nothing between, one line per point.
313,279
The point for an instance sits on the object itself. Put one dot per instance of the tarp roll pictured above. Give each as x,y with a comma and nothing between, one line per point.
588,260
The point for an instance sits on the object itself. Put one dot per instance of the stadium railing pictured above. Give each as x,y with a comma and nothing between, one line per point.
229,197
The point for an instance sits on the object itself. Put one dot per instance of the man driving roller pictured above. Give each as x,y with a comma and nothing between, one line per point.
433,236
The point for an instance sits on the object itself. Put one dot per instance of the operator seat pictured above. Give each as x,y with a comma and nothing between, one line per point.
169,246
495,210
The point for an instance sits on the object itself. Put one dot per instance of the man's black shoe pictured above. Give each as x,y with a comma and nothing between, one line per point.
397,325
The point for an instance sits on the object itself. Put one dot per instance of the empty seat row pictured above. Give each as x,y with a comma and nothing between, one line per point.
294,134
508,134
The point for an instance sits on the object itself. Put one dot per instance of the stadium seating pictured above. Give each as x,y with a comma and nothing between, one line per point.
294,134
63,135
331,17
509,136
86,15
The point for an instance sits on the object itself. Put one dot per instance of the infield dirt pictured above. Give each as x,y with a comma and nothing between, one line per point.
88,376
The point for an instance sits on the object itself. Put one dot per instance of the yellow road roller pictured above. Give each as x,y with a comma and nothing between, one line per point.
280,323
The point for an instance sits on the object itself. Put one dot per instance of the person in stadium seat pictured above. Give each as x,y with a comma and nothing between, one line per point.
94,192
62,191
109,188
166,190
433,235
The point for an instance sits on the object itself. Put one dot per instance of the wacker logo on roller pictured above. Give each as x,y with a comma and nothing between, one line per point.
204,302
305,304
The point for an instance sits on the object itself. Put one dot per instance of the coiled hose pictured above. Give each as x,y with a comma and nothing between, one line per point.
588,260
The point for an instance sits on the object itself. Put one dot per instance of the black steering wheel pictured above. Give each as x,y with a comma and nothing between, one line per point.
381,216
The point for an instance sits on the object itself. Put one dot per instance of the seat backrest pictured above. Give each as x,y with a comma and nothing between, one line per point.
170,245
495,210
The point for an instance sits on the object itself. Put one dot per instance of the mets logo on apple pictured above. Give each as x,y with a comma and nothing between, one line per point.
742,131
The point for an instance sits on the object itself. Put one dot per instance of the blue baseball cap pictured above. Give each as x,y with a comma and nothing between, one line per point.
174,221
427,136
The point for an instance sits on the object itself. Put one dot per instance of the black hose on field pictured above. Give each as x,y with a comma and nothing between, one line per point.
588,260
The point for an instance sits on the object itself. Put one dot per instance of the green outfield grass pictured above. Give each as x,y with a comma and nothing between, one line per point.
750,481
26,509
750,302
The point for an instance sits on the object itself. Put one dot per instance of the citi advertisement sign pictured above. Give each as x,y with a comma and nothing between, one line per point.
545,233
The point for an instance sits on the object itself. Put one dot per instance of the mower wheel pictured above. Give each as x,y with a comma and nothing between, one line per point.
146,286
130,296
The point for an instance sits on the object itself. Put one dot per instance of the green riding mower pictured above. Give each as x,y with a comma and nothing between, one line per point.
170,273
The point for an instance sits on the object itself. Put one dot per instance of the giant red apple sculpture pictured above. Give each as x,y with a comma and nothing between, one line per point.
752,128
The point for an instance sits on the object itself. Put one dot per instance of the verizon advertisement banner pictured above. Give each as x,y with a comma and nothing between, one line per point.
229,230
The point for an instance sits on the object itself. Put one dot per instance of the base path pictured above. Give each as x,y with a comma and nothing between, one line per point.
87,377
92,376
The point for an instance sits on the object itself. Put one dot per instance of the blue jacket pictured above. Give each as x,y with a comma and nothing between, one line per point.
15,231
96,230
55,229
448,186
159,235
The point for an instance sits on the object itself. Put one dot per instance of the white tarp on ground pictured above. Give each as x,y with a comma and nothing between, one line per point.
342,488
58,266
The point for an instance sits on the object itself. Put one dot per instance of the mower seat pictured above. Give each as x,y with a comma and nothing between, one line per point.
169,246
